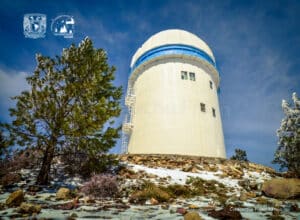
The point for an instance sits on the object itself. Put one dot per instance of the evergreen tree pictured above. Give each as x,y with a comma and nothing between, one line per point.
240,155
288,151
72,103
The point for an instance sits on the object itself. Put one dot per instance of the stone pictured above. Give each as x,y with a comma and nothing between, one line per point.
192,216
181,211
88,200
276,212
73,215
15,198
294,207
228,212
192,206
153,201
165,206
282,188
29,208
243,197
261,200
63,193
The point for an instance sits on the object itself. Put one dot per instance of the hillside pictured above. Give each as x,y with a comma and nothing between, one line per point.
165,187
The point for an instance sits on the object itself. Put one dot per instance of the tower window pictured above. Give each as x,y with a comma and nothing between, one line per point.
202,107
184,75
213,112
192,76
211,84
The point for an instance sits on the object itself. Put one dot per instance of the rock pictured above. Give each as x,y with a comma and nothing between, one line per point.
88,200
275,203
245,184
15,199
276,212
228,212
2,206
73,215
29,208
261,200
294,207
192,206
282,188
243,197
165,206
181,211
63,193
153,201
192,216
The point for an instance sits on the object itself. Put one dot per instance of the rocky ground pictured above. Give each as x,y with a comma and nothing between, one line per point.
161,187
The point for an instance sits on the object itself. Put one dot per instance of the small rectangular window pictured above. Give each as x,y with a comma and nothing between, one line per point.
213,112
202,107
192,76
184,75
211,84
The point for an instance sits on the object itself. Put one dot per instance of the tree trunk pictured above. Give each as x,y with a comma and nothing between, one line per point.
43,176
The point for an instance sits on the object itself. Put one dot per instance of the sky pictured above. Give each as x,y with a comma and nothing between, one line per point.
256,45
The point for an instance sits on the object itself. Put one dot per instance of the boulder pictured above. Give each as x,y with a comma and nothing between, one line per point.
29,208
63,194
282,188
153,201
15,199
192,216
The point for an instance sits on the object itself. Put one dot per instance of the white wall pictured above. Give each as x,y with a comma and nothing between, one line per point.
168,119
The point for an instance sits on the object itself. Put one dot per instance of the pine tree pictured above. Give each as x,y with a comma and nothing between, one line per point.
72,103
288,151
240,155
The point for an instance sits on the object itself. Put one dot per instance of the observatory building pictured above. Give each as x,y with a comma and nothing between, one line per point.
172,98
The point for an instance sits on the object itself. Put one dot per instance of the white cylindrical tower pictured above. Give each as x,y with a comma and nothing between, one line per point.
172,98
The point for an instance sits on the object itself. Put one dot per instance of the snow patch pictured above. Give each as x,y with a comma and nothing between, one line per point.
180,177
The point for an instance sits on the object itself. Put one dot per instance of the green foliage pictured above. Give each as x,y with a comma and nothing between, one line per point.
71,103
87,165
177,190
239,155
287,154
149,190
199,186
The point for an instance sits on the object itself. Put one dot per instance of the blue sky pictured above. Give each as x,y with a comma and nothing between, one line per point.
256,45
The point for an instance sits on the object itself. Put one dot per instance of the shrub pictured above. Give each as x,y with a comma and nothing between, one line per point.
240,155
9,179
200,186
176,190
100,186
149,190
20,159
87,165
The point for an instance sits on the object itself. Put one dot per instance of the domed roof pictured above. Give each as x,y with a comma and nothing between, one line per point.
172,36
